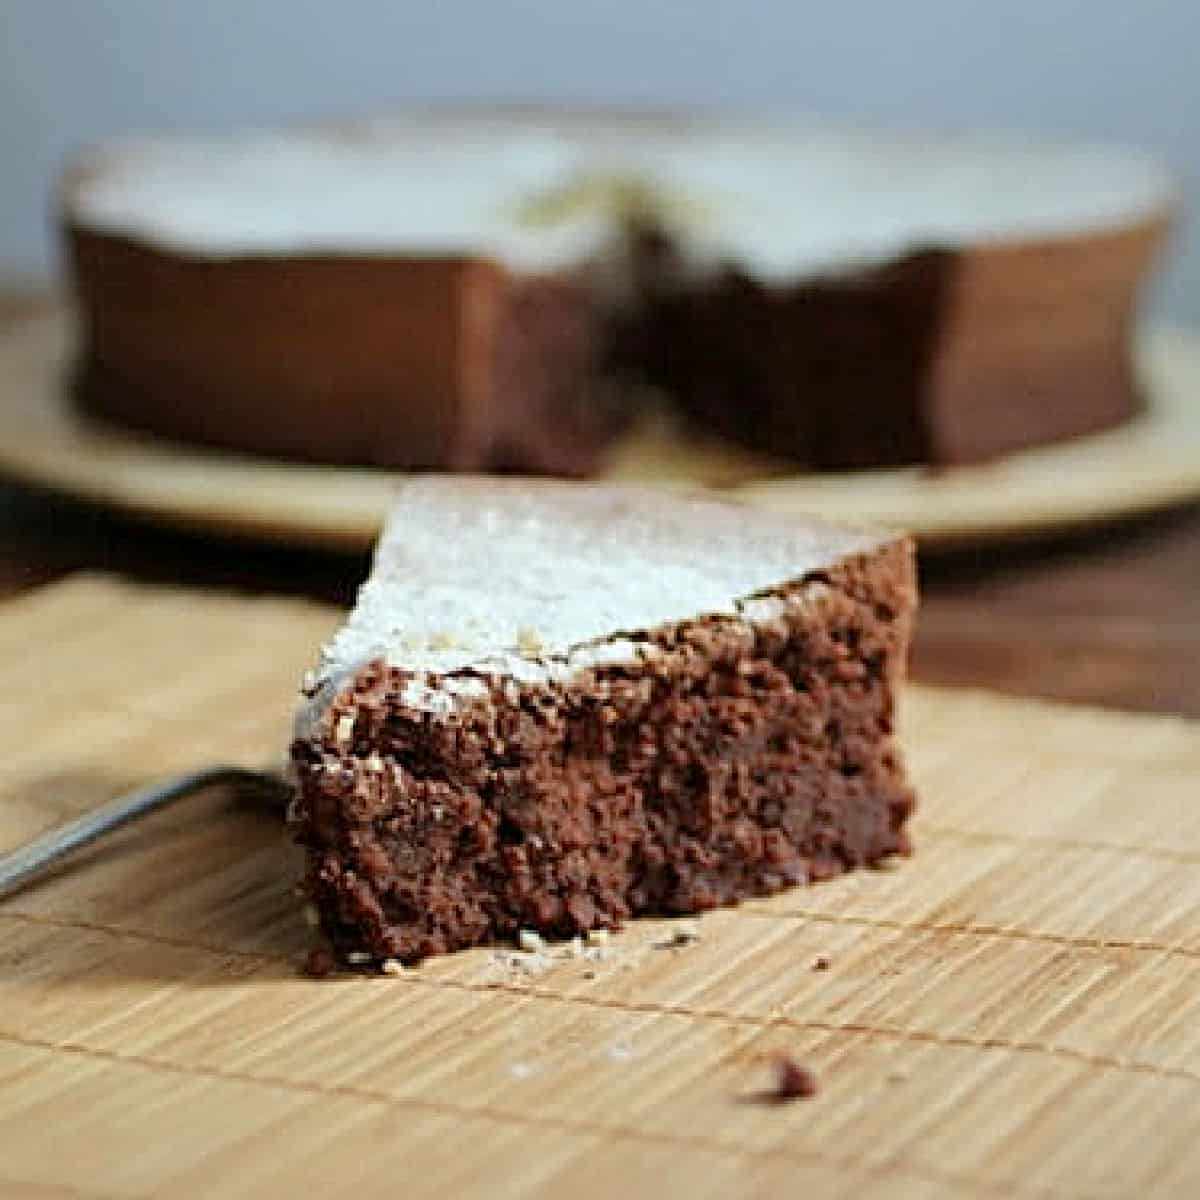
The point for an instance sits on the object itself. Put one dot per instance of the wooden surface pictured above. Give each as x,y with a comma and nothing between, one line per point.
1012,1013
1145,465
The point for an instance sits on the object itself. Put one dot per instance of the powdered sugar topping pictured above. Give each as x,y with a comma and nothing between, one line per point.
590,569
782,199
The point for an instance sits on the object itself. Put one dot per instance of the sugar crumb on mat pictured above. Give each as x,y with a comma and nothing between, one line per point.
535,955
392,966
685,933
522,962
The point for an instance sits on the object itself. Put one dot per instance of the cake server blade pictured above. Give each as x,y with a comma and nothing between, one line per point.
24,865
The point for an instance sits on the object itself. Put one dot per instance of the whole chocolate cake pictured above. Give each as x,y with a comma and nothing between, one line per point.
481,292
556,706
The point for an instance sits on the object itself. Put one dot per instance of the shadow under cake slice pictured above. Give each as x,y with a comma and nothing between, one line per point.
556,706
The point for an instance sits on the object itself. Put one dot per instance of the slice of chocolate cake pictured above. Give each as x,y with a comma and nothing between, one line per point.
556,706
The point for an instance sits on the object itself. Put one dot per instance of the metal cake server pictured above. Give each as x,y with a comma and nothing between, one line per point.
27,863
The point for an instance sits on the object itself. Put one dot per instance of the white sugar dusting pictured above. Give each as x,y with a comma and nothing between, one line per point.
593,569
782,199
411,188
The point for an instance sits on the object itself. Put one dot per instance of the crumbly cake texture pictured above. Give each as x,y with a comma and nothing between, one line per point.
557,706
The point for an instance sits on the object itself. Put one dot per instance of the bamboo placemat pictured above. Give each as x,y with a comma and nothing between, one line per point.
1016,1012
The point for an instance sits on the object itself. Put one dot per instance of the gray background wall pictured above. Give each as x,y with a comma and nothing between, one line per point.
72,71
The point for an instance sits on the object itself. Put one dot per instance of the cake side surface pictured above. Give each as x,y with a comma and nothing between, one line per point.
706,759
1035,342
332,351
941,356
410,362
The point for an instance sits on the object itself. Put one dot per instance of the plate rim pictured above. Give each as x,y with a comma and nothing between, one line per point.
1162,480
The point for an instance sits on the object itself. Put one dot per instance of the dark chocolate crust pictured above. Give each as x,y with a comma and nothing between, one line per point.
732,760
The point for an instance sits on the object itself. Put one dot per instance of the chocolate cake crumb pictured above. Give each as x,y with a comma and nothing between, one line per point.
793,1080
820,963
319,963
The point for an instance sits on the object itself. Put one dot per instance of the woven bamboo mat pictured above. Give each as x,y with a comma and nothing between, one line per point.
1016,1012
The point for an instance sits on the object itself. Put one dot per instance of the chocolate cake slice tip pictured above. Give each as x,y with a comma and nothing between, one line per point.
556,706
